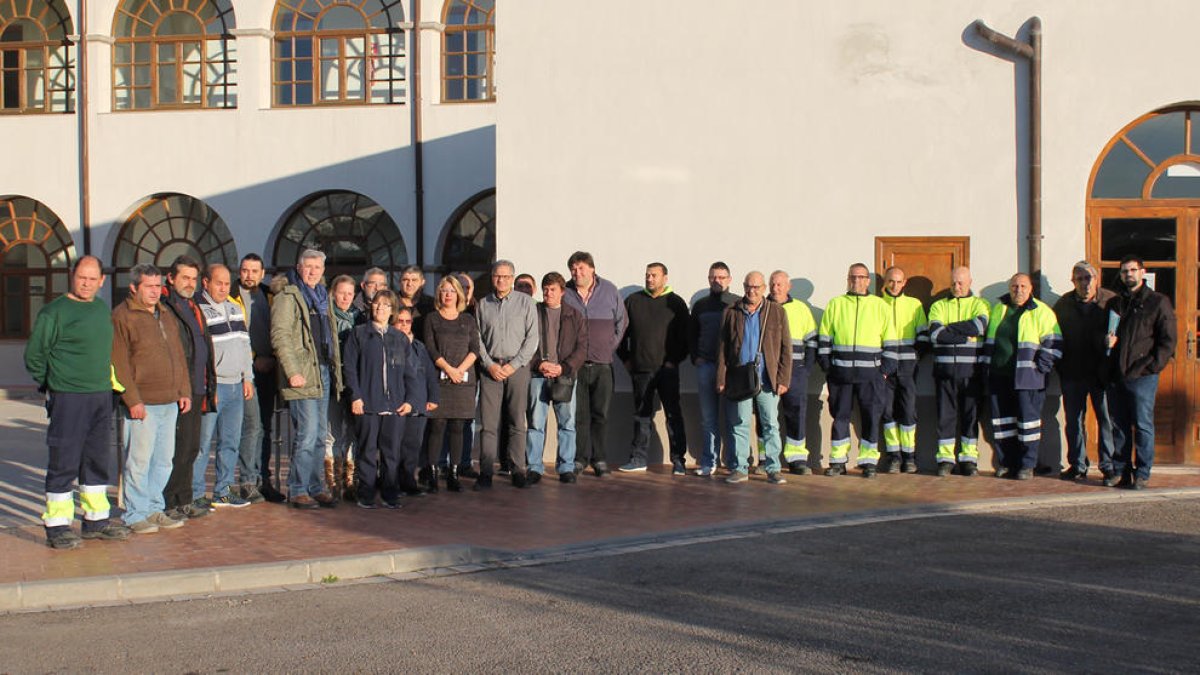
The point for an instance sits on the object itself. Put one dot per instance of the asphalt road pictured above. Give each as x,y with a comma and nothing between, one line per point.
1110,588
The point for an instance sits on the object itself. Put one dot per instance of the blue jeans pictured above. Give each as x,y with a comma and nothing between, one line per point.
712,434
250,449
310,418
149,454
767,404
226,422
1075,395
535,439
1133,424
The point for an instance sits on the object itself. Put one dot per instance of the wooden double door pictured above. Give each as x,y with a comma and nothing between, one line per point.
1168,239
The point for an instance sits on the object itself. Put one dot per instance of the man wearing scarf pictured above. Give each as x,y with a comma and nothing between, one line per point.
310,372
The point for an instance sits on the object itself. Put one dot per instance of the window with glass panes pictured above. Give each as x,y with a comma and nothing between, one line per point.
469,51
352,230
37,59
35,264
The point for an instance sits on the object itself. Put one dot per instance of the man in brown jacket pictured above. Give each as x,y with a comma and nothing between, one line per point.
148,362
755,331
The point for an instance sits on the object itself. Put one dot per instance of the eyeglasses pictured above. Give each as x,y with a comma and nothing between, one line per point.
1082,277
402,322
858,276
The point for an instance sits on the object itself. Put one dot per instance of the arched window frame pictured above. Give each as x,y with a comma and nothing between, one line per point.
165,226
37,72
313,65
1145,151
336,222
469,242
147,57
26,222
469,51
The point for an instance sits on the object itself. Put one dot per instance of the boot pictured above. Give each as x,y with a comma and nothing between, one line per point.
330,476
432,487
452,483
351,487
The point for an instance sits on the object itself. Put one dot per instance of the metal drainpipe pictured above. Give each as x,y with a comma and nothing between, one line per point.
81,112
417,130
1033,52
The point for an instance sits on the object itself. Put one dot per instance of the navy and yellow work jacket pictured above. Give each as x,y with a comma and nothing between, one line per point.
912,332
851,339
1039,341
958,328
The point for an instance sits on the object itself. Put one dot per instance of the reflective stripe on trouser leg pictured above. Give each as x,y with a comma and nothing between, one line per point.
841,402
891,437
868,453
795,451
945,451
968,450
1004,427
94,499
60,509
839,451
908,439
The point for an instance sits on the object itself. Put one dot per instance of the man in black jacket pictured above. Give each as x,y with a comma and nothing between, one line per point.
704,336
654,346
1140,349
1083,319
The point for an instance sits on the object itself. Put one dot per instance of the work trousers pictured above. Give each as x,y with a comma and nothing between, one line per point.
378,443
899,414
78,440
958,419
502,410
593,396
793,416
1016,423
178,492
869,395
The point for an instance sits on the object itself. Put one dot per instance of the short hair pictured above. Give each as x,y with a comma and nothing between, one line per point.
254,257
554,279
87,258
658,265
1133,257
461,297
1085,266
342,279
581,257
778,273
141,270
383,294
412,269
719,266
311,254
374,272
525,275
862,265
503,263
211,267
185,261
401,309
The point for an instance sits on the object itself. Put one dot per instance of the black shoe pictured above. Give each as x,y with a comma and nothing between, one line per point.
1110,480
1073,473
467,471
1003,472
945,468
908,464
483,483
505,469
364,504
968,469
1126,481
520,479
1138,484
533,478
1025,474
600,469
678,468
272,495
891,463
869,471
452,482
64,541
110,532
391,504
835,470
1044,471
568,477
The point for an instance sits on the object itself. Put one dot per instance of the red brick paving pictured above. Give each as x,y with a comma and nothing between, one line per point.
549,514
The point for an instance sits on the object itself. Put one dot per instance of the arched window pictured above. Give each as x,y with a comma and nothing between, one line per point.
351,230
165,227
37,60
346,51
174,54
470,243
469,50
36,262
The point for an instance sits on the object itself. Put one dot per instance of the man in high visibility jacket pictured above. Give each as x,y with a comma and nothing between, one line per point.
793,406
1023,342
851,339
68,356
899,417
957,330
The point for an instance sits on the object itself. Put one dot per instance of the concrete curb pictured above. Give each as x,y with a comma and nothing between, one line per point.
412,564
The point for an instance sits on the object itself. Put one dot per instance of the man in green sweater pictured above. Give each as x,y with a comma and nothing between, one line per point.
68,356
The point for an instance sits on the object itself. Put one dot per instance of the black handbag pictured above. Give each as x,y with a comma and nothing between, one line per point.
742,381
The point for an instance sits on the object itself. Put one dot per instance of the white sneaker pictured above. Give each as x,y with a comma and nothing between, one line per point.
705,472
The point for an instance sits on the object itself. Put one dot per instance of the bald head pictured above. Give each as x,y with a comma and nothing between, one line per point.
960,282
755,286
86,279
779,286
1020,287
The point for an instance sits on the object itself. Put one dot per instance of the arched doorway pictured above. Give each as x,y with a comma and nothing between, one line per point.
353,232
1144,199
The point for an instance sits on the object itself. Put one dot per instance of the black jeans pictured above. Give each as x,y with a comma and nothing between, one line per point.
178,491
648,390
593,396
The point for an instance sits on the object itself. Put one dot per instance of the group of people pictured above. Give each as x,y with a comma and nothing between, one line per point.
381,386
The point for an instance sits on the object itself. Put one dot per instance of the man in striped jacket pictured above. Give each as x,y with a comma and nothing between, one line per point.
957,328
1023,342
226,324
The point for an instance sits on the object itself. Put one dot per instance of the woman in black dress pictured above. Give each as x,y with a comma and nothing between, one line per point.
452,338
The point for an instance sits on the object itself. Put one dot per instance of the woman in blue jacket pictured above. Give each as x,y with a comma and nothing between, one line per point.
379,373
424,398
